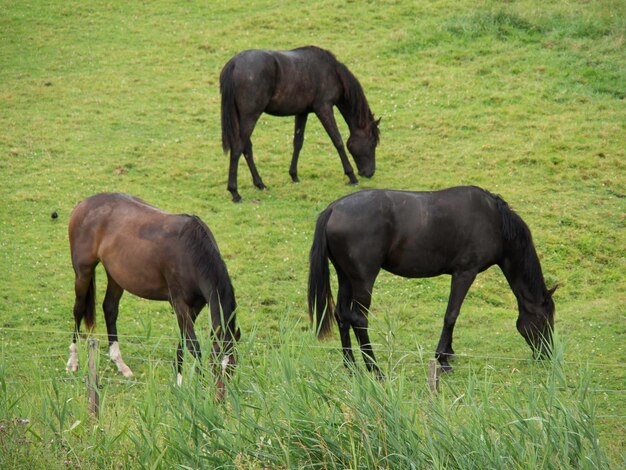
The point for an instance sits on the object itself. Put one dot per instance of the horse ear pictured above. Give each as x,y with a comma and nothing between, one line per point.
377,121
552,289
237,334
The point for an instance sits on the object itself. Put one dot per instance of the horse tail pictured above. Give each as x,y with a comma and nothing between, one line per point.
230,116
320,295
88,313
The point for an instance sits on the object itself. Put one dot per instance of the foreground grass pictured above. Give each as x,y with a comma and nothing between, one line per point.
285,409
525,98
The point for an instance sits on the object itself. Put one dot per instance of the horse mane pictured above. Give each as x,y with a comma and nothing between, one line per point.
355,97
519,244
207,259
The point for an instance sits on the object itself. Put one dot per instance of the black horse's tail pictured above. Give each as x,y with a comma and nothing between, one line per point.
230,116
88,313
320,294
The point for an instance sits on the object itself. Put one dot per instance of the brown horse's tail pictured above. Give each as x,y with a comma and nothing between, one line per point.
230,118
320,295
88,310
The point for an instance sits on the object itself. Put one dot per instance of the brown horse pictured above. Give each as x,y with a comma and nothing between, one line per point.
156,256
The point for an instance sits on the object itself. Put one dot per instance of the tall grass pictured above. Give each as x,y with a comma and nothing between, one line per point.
292,404
295,412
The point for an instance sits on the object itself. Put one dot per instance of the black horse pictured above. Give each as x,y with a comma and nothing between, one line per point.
294,83
458,231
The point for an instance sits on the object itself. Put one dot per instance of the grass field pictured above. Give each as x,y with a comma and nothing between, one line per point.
524,98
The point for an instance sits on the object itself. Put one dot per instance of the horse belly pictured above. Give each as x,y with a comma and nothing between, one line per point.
137,273
288,104
412,265
431,261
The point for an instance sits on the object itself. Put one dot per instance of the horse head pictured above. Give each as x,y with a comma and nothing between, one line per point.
362,145
536,322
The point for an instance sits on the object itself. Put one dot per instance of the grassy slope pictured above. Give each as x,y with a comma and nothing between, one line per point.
523,98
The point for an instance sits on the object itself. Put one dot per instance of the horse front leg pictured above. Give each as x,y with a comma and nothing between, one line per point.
326,117
186,317
461,283
298,140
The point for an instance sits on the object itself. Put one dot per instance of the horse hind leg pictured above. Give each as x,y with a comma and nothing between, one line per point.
111,309
235,154
361,301
342,314
256,178
246,128
460,284
243,145
84,289
298,140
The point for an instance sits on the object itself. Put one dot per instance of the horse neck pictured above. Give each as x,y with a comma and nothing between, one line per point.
353,104
351,118
522,269
220,297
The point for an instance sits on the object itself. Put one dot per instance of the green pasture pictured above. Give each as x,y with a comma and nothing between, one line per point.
523,98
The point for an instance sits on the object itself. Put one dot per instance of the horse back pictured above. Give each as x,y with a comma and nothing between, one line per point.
137,243
284,83
421,234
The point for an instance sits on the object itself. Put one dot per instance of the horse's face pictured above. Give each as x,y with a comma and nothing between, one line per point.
536,322
362,145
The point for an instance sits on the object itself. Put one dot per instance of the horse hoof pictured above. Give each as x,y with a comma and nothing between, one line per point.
446,368
261,186
236,198
295,179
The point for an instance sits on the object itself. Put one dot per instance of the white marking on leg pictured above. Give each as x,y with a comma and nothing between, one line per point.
225,363
179,379
72,363
116,356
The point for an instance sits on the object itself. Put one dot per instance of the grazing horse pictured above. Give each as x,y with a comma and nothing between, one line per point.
156,256
459,231
294,83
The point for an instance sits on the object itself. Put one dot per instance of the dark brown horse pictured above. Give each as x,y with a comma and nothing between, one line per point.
156,256
294,83
458,231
